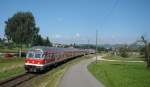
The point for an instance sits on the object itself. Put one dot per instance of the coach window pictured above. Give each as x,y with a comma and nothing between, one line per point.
60,55
52,55
56,56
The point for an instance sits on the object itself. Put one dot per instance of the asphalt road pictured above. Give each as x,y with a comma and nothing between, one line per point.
79,76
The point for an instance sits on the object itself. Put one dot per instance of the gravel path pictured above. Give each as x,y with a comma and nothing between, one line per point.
79,76
100,58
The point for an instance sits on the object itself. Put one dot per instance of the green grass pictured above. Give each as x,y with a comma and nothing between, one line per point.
121,74
12,50
11,73
130,58
11,67
7,62
8,50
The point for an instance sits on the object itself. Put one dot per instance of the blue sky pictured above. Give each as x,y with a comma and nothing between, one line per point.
76,21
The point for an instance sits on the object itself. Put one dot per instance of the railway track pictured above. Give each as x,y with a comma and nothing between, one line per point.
17,80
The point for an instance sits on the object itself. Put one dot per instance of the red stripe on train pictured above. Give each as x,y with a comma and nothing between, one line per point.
35,61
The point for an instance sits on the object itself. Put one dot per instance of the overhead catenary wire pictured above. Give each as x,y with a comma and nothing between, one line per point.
109,13
102,25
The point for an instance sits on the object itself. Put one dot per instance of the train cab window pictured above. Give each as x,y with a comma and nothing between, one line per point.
38,55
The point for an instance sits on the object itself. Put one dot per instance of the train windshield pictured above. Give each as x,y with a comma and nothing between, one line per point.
38,55
34,55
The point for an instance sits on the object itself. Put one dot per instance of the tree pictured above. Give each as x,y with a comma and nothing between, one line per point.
147,50
38,41
142,50
35,36
123,51
47,42
0,40
21,28
41,41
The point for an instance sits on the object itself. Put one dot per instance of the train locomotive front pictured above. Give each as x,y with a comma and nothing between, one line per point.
35,60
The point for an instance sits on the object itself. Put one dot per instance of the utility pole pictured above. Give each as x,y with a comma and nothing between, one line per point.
96,45
146,51
88,46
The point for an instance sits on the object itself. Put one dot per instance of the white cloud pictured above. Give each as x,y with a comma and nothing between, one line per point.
77,35
58,36
44,36
115,35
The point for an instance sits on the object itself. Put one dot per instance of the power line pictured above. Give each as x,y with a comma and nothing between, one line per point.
110,12
106,19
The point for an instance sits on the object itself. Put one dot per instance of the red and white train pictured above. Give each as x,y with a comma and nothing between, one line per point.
39,58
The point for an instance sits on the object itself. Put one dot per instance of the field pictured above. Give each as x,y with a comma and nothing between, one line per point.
11,67
130,58
13,50
121,74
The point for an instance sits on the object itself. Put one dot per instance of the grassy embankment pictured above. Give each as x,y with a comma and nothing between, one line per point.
129,58
12,50
11,67
121,74
52,78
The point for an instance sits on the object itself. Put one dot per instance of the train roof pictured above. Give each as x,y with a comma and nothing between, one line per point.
46,48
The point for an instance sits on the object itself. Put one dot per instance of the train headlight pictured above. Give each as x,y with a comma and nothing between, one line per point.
32,61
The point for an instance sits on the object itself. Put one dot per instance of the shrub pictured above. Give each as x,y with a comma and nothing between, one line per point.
123,52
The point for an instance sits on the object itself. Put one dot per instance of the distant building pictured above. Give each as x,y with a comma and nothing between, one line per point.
58,45
6,40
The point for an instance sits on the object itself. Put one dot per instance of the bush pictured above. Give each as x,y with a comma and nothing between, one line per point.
23,54
123,52
7,55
